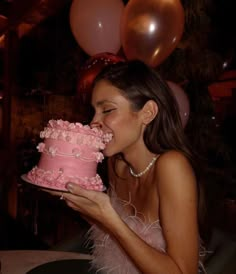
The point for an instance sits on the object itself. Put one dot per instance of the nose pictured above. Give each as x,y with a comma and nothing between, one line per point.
95,123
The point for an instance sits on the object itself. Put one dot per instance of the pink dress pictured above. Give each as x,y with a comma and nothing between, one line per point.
108,256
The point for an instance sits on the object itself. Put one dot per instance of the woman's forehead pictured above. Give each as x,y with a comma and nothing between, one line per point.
105,91
116,100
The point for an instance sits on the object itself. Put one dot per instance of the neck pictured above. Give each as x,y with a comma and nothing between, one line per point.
145,170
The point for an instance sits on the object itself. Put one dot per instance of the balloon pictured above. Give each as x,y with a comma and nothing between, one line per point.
151,29
95,25
92,67
182,100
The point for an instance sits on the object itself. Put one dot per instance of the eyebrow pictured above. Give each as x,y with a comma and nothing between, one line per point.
99,103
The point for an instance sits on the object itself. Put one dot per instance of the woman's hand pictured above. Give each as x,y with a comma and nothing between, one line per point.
91,204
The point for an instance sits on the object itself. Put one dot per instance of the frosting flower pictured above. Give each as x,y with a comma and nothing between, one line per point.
41,147
52,151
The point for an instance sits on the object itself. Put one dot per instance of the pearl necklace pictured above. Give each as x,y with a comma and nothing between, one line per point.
145,170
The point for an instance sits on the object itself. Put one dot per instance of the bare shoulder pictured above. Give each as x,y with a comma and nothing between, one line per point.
172,160
173,167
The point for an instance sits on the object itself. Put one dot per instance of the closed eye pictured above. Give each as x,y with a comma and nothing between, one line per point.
108,110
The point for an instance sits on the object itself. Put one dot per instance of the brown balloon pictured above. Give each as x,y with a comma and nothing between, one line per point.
151,29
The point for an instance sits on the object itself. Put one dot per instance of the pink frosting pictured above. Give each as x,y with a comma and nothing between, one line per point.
57,180
70,153
75,133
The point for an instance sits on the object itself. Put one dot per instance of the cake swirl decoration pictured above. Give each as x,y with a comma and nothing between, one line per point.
77,153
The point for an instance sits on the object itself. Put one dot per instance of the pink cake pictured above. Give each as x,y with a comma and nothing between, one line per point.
70,153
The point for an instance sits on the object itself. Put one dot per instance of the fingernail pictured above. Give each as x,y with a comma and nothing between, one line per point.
70,187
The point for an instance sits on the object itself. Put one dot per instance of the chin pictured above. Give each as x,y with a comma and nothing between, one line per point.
109,152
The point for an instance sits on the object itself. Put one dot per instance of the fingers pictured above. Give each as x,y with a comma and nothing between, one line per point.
79,191
75,194
73,188
53,192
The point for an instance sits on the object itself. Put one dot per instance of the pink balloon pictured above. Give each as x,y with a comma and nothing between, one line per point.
182,100
95,25
151,29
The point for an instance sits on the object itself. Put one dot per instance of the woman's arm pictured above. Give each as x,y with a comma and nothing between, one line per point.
178,214
177,188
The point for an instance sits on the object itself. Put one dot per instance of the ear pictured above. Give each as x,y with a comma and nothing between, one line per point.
149,111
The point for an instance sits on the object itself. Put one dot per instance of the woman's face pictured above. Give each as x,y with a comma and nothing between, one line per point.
113,114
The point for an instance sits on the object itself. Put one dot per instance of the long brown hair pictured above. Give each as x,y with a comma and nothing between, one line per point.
140,83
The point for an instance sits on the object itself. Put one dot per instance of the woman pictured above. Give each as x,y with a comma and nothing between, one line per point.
147,222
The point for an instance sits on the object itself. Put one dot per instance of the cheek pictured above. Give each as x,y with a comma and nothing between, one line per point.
112,121
116,121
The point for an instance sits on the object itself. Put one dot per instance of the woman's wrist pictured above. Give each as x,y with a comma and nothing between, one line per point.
112,220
